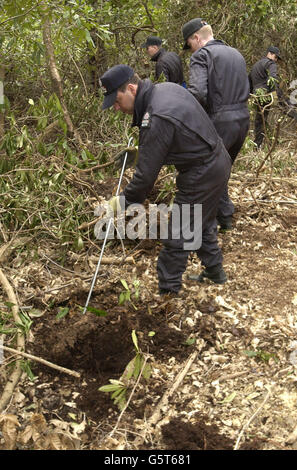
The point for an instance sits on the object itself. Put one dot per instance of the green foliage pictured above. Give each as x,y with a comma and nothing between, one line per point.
129,292
135,369
63,311
39,199
190,341
26,322
7,326
167,190
261,355
26,367
263,96
96,311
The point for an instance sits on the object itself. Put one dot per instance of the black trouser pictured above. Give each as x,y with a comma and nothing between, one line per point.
261,117
232,127
211,181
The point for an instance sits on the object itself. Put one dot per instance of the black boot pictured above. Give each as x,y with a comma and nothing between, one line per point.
167,292
215,274
225,223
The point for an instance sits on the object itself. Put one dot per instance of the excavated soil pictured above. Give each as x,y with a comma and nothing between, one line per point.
100,347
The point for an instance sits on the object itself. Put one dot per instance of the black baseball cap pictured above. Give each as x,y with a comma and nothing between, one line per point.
190,28
274,50
152,41
111,81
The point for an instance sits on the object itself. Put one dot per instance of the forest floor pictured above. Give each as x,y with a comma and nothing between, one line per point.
223,358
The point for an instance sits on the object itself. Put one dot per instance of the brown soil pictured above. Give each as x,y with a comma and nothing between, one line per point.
101,347
180,435
183,435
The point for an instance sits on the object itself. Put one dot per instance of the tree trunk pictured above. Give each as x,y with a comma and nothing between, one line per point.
55,76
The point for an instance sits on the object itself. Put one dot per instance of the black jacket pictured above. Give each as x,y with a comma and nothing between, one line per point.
170,64
175,130
218,78
260,73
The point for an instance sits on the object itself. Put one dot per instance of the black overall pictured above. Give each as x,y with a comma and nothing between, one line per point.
175,130
219,81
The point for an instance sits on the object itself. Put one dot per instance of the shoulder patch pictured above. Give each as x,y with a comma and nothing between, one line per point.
146,120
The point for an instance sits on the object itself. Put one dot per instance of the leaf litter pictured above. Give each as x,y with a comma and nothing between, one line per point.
224,388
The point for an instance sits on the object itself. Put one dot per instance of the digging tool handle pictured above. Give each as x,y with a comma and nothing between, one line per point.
107,232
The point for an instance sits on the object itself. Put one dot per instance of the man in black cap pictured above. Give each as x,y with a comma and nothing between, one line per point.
264,75
167,62
174,130
219,81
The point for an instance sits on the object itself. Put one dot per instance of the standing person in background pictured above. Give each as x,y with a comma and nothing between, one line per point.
168,63
219,81
264,75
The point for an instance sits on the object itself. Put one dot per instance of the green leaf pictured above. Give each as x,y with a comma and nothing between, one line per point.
138,365
97,311
151,333
129,370
122,298
125,284
89,38
120,400
135,341
9,304
118,392
25,366
79,244
8,331
109,388
35,313
190,341
63,311
116,382
147,372
63,125
25,319
229,398
250,353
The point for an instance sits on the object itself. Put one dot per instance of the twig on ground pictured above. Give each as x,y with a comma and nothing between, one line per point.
222,378
17,372
155,417
246,425
42,361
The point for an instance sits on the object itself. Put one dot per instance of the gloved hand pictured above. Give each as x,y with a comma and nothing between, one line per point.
132,158
114,204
